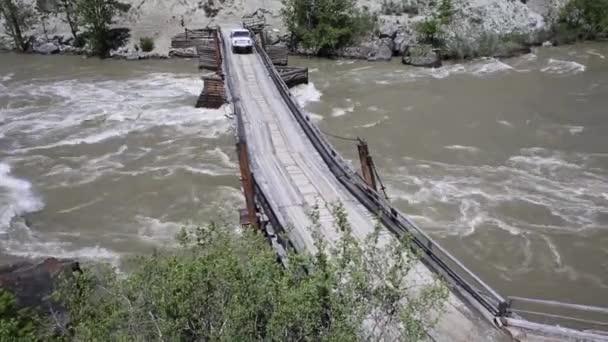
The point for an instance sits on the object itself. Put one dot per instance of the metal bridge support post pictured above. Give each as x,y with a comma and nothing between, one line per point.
263,39
367,170
247,181
218,54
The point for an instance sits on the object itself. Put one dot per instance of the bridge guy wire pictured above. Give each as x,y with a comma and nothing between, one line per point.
382,187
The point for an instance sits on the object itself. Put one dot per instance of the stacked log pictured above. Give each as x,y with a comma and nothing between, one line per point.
213,94
191,38
207,56
254,24
293,76
277,54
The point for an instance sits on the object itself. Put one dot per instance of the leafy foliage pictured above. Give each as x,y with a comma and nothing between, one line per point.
15,325
487,45
68,8
323,25
445,12
431,30
97,16
146,43
227,286
18,18
583,19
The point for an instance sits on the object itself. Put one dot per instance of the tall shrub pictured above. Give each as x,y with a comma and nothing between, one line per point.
96,16
18,18
227,286
584,19
323,25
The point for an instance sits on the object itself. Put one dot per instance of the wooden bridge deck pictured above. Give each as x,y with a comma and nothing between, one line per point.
295,178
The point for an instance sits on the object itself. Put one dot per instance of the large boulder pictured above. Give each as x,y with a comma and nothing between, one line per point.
71,50
375,50
422,56
273,36
403,38
381,50
354,52
32,283
47,48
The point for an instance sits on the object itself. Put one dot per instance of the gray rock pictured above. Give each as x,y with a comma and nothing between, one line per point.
375,50
184,53
47,48
71,50
381,50
511,49
421,55
400,43
388,25
305,52
5,43
32,282
354,52
273,36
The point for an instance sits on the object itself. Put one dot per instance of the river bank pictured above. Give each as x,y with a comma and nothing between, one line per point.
477,28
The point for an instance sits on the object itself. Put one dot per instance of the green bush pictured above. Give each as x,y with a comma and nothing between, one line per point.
583,19
227,286
487,45
445,12
15,325
430,32
147,44
326,24
19,16
96,16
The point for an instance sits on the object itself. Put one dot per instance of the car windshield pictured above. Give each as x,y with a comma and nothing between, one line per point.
240,34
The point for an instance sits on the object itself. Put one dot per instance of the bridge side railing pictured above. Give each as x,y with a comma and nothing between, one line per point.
584,317
436,257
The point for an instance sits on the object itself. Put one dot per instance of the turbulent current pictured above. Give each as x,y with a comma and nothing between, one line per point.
504,162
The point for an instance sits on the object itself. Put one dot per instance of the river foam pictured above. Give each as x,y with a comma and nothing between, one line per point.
559,67
16,197
306,93
537,189
90,111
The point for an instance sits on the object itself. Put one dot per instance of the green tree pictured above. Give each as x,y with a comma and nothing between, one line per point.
15,324
228,286
584,19
146,44
322,25
96,16
430,31
69,9
445,12
18,17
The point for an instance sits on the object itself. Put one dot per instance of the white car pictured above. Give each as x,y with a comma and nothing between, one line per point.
241,41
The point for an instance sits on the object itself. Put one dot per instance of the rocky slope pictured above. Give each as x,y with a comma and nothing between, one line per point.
161,19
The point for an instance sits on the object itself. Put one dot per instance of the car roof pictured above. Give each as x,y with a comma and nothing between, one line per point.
240,30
